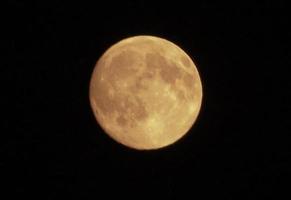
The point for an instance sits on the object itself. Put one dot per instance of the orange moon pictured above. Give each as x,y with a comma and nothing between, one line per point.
145,92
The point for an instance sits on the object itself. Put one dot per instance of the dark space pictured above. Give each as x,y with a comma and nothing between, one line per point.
53,147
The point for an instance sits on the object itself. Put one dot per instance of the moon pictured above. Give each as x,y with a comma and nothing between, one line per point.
145,92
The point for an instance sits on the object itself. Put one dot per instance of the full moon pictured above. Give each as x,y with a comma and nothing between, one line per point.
145,92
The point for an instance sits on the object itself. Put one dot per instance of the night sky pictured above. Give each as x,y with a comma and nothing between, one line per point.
53,147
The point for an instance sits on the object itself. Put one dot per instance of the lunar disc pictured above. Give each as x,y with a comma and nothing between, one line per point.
145,92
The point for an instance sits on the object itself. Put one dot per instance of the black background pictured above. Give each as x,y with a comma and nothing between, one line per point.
237,148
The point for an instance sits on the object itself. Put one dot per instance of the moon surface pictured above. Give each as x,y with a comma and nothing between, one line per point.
145,92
